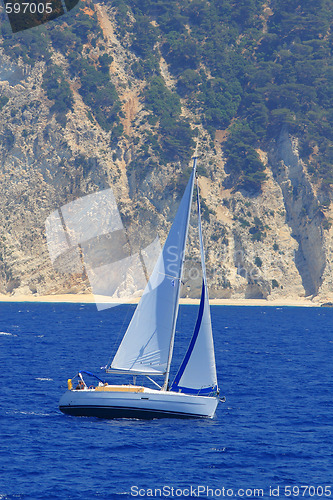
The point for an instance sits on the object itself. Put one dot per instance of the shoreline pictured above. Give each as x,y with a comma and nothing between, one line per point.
91,299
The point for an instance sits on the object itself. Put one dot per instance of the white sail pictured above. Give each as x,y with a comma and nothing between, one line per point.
147,344
197,373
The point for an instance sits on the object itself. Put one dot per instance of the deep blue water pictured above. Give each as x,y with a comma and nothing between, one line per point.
275,429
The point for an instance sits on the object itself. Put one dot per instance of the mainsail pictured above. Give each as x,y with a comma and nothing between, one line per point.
197,373
147,345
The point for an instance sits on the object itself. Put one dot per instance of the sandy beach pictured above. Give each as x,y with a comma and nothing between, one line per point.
89,298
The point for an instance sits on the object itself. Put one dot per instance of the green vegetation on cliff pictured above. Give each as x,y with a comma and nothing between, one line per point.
249,67
261,65
68,36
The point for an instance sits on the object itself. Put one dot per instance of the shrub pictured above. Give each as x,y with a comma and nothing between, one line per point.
258,262
3,101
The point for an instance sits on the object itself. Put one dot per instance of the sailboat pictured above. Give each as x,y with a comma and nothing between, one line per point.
147,346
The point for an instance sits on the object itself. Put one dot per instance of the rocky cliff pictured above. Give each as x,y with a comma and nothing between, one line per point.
273,244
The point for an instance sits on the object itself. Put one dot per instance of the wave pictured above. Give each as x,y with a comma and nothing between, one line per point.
34,413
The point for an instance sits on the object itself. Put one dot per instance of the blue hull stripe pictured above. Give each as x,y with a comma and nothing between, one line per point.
122,412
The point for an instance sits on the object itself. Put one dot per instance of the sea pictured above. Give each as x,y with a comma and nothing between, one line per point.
271,438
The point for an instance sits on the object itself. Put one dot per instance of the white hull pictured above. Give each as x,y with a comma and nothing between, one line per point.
136,402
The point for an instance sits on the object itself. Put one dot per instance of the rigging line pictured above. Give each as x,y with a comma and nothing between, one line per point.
153,381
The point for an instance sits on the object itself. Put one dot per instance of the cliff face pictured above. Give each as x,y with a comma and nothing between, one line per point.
277,244
303,213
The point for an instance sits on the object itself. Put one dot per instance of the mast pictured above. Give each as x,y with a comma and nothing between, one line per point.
175,312
197,373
